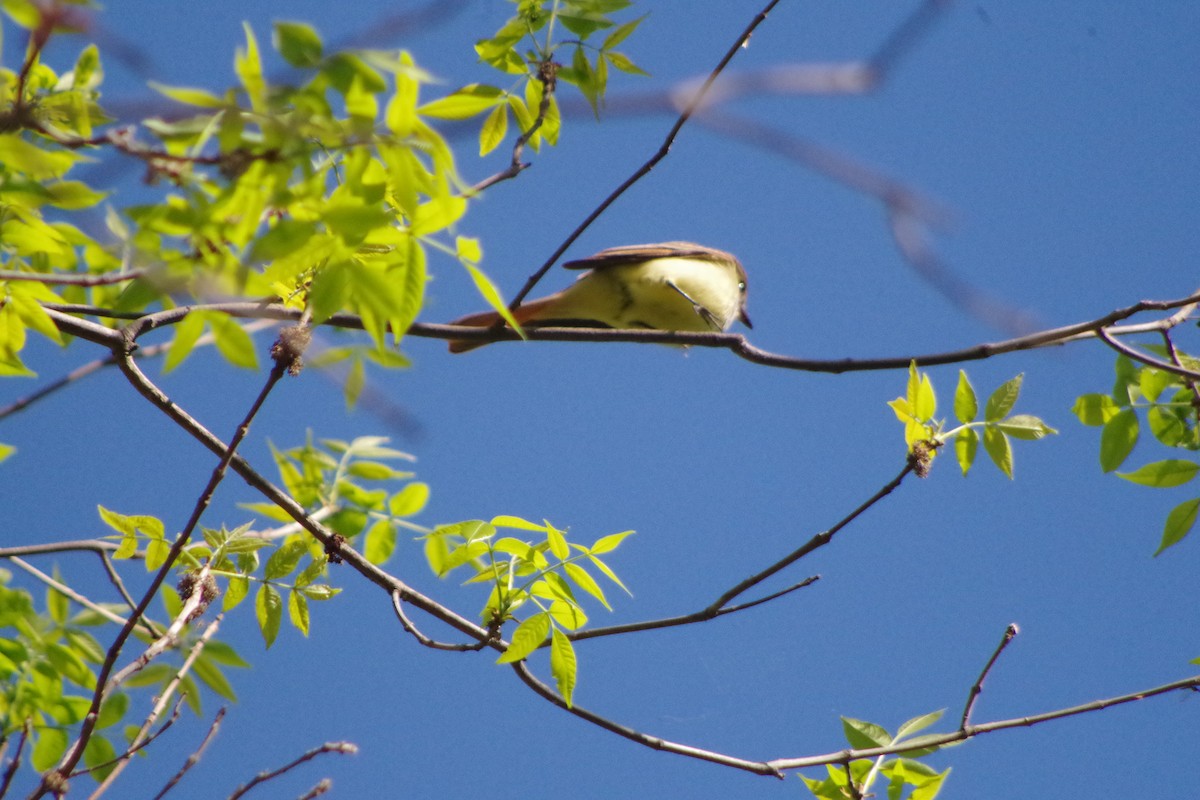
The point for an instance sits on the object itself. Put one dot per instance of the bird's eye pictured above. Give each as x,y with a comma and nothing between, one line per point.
741,286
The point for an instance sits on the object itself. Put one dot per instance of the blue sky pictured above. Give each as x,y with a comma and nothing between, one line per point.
1062,140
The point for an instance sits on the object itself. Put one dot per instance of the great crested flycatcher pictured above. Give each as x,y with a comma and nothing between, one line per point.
672,286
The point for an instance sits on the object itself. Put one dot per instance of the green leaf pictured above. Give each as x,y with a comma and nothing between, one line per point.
491,294
999,449
409,500
232,341
49,744
1179,523
494,129
187,96
380,542
298,43
248,66
509,521
100,756
586,582
621,33
284,560
528,636
1151,382
26,157
563,666
1095,409
1002,400
624,63
862,735
558,543
925,405
918,724
235,592
966,445
56,602
966,406
1163,474
609,543
211,676
187,333
464,103
298,611
1117,439
1025,426
268,608
112,710
1169,425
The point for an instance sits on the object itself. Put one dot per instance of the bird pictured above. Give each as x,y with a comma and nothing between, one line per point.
669,286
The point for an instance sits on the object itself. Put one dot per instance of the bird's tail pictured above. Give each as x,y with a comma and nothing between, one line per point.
485,319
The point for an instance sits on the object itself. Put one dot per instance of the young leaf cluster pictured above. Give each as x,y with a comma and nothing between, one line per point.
522,574
925,434
905,776
1168,405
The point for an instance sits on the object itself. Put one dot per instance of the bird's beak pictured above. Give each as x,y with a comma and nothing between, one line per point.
745,318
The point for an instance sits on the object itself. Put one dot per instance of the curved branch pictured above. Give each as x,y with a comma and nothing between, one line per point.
653,742
1138,355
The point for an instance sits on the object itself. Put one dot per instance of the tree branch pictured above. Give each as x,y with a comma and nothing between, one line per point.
653,742
720,606
1137,355
971,731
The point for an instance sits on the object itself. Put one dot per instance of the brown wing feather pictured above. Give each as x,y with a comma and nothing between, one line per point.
632,254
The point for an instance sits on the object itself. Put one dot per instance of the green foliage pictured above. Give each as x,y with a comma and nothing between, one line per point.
48,670
925,435
906,776
521,573
1168,405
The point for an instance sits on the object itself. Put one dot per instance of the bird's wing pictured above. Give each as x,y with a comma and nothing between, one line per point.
634,253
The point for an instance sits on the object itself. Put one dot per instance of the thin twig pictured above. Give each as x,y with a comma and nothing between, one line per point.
322,786
645,168
1173,354
194,758
171,720
348,748
971,731
855,792
67,591
809,581
720,605
406,623
1137,355
67,279
653,742
977,687
11,769
83,371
